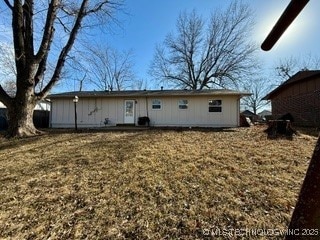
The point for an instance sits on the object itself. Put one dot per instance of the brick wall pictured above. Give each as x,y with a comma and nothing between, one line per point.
305,108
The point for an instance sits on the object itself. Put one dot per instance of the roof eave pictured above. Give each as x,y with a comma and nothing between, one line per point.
150,94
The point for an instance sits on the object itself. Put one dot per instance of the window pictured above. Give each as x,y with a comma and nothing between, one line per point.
215,106
156,104
183,104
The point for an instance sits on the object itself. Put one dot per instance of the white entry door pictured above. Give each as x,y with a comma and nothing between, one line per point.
129,111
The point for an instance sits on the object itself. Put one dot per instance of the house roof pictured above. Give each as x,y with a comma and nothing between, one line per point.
147,93
298,77
265,113
248,113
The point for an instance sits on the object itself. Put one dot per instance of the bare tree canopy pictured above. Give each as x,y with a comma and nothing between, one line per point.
7,68
258,88
208,54
287,67
37,28
106,68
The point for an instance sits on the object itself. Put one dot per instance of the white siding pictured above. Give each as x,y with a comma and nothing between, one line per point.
91,112
62,113
197,113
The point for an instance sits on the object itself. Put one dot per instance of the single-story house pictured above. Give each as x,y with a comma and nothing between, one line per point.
253,117
299,96
264,114
182,108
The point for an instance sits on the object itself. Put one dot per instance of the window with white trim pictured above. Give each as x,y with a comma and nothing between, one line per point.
215,105
183,104
156,104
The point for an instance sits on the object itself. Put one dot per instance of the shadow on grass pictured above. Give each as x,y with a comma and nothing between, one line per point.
95,130
311,131
197,129
37,141
11,143
137,129
7,143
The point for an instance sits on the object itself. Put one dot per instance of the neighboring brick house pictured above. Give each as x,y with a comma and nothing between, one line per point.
299,96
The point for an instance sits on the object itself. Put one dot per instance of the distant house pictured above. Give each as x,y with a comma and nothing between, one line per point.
299,96
264,114
248,114
182,108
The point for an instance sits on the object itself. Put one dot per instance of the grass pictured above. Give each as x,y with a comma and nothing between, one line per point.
153,184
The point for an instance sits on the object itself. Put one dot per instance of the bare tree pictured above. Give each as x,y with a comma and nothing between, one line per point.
8,71
259,89
109,69
287,67
37,27
139,84
7,68
205,56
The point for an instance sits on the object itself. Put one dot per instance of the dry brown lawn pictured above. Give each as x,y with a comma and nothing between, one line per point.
152,184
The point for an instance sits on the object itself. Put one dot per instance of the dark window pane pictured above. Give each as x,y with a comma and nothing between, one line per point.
215,109
156,106
183,106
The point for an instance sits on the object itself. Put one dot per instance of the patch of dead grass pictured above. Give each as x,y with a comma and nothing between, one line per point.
148,184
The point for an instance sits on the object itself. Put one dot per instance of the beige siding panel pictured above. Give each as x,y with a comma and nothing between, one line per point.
62,113
120,110
92,112
141,110
197,113
110,111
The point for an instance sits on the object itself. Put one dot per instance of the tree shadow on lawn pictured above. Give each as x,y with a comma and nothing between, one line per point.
6,143
194,129
311,131
135,129
39,141
11,143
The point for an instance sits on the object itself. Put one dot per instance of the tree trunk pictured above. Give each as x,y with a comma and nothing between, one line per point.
20,119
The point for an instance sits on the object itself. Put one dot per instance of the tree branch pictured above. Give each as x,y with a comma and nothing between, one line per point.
41,69
98,7
4,97
8,4
28,35
64,52
18,37
48,30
